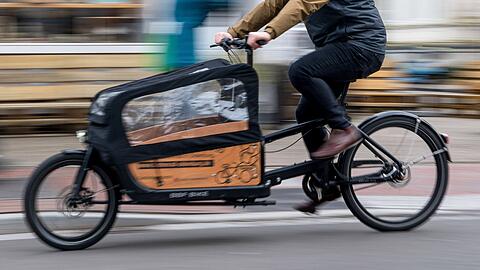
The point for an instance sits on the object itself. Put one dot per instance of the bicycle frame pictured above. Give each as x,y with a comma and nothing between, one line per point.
309,167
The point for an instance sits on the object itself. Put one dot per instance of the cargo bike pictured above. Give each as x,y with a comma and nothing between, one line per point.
192,137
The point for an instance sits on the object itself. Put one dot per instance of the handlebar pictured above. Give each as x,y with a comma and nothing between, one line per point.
228,44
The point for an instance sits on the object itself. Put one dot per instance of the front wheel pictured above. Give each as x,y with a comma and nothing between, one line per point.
411,197
56,218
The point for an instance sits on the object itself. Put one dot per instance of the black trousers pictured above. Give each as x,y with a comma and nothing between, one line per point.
321,76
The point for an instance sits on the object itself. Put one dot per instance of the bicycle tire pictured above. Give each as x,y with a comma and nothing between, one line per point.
433,142
50,238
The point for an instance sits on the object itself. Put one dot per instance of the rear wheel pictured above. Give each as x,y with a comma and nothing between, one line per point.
414,195
60,220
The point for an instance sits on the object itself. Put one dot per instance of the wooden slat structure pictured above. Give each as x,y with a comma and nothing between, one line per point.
53,92
388,89
468,76
62,61
73,75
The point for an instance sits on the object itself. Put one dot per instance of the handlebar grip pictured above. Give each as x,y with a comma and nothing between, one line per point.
262,42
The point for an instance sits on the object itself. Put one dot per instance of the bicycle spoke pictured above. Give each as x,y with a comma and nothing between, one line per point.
375,152
399,145
50,198
424,157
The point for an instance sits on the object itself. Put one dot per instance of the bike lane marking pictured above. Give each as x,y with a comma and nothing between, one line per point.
16,237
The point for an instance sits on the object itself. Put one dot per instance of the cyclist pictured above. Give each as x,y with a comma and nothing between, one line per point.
350,41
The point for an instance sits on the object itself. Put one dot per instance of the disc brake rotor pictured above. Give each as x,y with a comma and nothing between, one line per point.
73,208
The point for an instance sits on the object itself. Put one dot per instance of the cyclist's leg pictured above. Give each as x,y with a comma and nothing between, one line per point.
320,77
306,111
310,76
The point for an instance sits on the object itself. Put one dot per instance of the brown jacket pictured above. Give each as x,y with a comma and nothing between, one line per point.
277,15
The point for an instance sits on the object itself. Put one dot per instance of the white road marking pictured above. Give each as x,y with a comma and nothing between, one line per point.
244,253
224,225
17,236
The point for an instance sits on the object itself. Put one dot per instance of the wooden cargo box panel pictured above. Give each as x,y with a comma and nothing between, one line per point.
224,167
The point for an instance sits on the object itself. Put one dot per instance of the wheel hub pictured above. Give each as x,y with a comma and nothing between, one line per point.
402,178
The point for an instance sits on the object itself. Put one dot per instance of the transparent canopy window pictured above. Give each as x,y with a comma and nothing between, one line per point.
198,110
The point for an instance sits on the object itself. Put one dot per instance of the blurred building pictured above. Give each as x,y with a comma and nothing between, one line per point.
431,20
125,20
70,21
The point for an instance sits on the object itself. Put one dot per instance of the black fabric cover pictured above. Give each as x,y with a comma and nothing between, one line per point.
107,134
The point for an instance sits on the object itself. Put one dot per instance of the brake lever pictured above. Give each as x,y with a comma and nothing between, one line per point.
223,44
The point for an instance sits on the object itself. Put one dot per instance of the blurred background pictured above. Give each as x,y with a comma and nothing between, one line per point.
56,55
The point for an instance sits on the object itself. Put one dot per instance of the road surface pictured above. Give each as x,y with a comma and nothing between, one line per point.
446,242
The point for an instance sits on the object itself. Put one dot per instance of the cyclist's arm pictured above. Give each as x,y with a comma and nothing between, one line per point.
257,17
293,12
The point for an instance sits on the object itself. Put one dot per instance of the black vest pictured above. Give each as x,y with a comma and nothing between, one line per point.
355,21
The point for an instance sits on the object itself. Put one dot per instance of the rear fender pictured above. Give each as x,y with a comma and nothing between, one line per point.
441,137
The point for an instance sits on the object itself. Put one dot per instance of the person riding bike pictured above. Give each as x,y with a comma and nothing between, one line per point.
350,41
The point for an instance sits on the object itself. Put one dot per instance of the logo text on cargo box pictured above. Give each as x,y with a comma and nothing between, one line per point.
176,164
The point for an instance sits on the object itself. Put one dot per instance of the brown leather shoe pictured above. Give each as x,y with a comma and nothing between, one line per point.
339,141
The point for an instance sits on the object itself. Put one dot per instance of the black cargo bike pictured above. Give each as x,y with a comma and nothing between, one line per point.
191,136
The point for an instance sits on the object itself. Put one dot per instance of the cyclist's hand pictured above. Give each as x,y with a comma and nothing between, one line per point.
253,37
221,36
